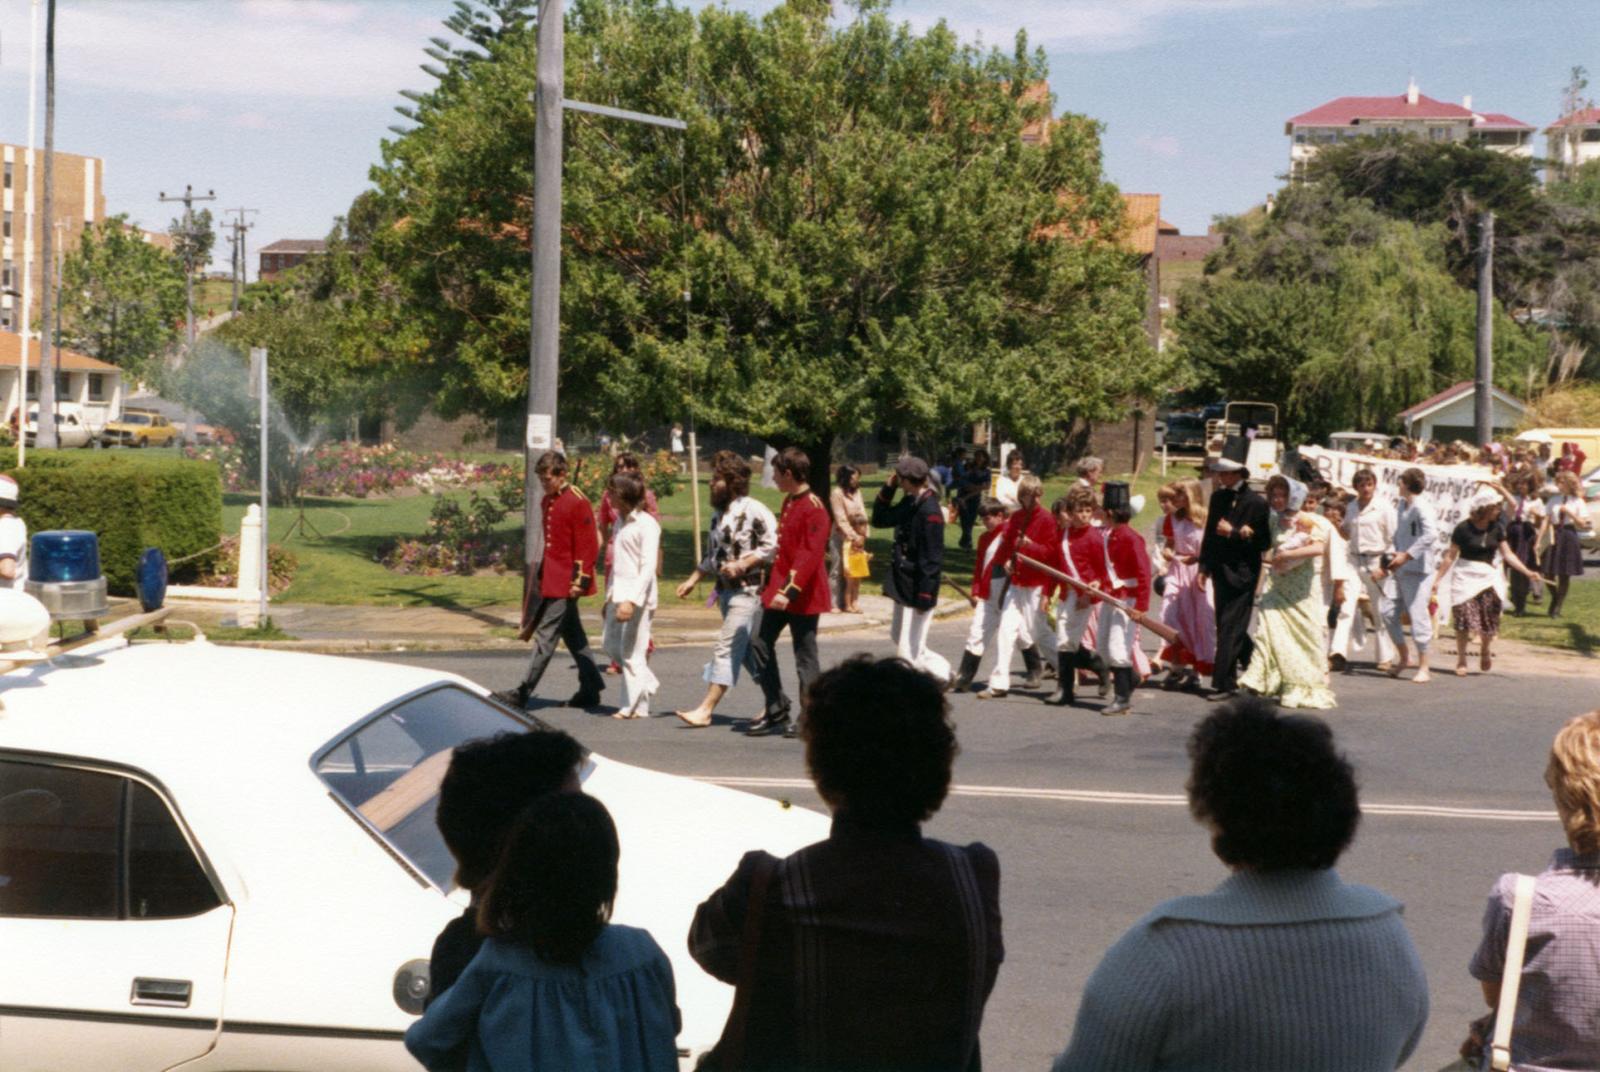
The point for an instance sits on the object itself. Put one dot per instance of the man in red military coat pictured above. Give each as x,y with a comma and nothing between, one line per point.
796,594
1128,580
1030,531
554,585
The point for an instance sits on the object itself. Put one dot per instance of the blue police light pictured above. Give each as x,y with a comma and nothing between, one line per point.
151,579
64,574
64,555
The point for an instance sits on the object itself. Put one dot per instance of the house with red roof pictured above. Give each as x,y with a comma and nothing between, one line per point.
1573,139
1411,114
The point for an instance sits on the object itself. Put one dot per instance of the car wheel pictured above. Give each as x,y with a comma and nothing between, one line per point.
142,443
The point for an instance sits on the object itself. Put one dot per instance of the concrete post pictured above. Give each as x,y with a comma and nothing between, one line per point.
250,555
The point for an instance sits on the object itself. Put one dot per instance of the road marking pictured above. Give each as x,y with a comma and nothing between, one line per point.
1166,800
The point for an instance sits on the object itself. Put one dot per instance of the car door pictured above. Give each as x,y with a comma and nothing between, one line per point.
114,931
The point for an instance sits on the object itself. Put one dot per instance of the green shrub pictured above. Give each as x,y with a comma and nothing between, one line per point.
172,504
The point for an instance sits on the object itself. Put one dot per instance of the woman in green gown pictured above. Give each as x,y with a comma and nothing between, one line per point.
1290,663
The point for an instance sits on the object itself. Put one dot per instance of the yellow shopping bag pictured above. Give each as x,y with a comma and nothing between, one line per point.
855,563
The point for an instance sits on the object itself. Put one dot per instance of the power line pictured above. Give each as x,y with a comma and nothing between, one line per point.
236,239
187,229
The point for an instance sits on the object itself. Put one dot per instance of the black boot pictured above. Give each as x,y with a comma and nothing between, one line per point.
1047,665
1123,703
1031,663
966,672
1093,661
1066,678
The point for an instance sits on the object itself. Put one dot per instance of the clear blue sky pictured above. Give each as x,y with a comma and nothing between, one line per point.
280,105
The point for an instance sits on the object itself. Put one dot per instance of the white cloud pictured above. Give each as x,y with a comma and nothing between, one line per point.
1095,25
295,49
1160,144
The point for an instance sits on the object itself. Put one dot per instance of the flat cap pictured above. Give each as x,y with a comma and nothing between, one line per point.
911,468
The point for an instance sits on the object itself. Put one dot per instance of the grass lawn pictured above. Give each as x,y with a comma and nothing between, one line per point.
341,565
1578,628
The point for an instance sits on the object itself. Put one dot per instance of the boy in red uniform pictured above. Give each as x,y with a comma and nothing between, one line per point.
1128,580
1030,531
796,594
988,586
554,585
1082,555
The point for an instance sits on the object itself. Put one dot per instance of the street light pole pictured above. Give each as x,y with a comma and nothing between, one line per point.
27,238
544,350
188,199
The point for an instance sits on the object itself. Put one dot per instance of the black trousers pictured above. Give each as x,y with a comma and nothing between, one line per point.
1519,592
1234,646
558,619
764,656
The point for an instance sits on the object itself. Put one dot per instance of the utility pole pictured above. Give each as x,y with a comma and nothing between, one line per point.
47,354
1483,397
27,239
240,266
544,350
189,198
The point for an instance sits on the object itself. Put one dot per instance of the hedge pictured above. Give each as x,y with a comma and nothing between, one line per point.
174,504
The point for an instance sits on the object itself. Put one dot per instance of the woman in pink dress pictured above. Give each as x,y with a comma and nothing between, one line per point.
1186,605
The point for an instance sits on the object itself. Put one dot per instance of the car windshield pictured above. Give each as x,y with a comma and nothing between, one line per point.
387,768
1185,423
135,418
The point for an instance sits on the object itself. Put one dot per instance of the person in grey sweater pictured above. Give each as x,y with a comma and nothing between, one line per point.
1284,965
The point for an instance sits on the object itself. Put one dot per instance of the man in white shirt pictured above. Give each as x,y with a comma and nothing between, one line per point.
13,538
1369,527
631,594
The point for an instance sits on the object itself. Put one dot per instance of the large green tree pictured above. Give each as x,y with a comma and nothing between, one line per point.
863,234
1340,315
121,298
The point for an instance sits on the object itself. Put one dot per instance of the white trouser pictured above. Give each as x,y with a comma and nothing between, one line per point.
909,631
1042,629
1117,636
626,643
1376,594
1072,618
1413,589
1016,626
985,623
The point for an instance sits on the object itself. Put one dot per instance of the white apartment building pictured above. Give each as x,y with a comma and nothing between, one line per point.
1411,114
1573,139
80,199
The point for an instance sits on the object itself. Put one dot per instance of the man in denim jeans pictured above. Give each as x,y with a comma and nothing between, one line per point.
1416,545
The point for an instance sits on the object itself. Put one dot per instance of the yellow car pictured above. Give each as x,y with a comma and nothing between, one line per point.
141,428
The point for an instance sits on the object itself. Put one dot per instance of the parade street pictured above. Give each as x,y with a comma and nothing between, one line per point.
1087,816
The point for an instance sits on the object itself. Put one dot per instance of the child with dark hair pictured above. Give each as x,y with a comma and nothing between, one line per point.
988,590
487,783
1127,580
631,593
556,984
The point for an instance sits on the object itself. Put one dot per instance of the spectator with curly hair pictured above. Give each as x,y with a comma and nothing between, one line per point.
878,947
1284,965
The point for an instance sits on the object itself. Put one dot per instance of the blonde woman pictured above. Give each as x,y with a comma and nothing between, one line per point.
1186,604
849,533
1555,1024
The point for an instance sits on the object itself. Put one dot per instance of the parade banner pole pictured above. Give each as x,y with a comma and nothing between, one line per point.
1160,629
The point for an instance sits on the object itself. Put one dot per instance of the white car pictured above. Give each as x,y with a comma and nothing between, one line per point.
71,429
226,858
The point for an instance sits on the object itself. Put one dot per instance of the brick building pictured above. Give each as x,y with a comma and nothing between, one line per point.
287,253
80,199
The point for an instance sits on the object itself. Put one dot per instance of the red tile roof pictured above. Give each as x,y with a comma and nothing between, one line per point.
1346,110
1450,394
66,360
1499,121
1587,117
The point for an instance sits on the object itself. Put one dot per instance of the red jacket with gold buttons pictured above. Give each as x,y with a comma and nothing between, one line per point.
800,571
571,544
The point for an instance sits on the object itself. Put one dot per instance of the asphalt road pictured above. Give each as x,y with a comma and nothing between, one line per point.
1087,816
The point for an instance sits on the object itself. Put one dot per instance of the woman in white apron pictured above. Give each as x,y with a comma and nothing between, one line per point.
1476,579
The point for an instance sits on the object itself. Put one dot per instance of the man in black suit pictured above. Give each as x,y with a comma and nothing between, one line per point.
1237,535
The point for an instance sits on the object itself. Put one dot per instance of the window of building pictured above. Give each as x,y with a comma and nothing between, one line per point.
1592,134
5,274
63,385
1299,137
97,387
1438,133
8,225
33,384
8,174
5,319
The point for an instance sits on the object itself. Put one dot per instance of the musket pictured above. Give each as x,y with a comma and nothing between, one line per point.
966,595
1160,629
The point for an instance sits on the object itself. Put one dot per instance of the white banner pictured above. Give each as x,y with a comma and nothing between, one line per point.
1450,487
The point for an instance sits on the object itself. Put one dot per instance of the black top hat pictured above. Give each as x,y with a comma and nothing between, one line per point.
1235,454
1114,496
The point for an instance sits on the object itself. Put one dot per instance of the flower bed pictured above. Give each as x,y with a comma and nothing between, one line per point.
343,470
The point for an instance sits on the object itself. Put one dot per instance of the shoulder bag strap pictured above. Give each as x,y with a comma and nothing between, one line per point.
1511,977
731,1050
